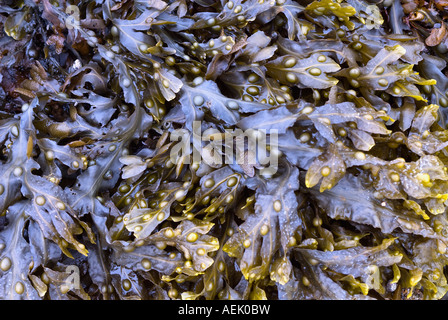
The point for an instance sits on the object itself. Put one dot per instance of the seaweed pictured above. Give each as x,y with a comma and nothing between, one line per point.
244,149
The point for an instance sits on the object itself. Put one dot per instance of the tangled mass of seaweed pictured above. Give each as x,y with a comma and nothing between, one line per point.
98,199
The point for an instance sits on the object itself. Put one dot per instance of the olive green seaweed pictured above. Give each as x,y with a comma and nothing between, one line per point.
98,203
